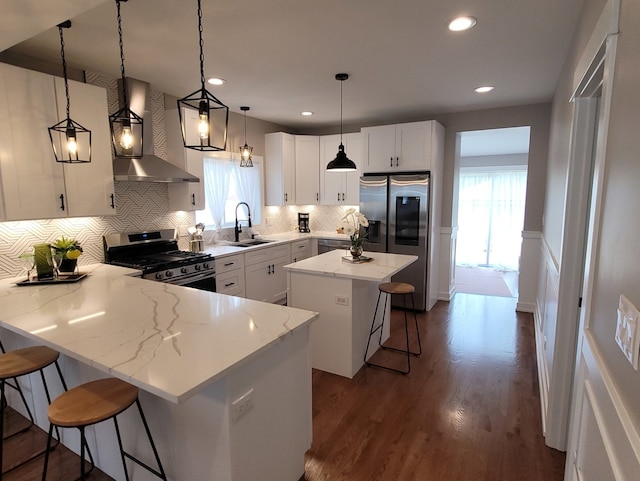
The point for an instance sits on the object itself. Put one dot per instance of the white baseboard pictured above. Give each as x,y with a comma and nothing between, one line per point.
526,307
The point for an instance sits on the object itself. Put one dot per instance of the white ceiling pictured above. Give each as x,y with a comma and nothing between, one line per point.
280,57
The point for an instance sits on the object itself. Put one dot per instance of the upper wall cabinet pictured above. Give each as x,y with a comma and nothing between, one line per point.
340,188
184,195
280,168
398,148
34,185
307,155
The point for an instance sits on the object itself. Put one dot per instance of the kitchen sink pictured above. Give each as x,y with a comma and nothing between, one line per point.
250,242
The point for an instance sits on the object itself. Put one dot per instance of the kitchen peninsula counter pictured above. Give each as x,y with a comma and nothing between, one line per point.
196,352
344,294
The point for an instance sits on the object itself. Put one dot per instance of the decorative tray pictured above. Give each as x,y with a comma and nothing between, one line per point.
356,260
60,280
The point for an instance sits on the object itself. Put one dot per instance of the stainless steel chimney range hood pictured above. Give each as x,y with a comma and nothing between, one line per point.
148,168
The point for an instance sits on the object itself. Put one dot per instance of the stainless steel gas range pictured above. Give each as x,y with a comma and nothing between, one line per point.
157,255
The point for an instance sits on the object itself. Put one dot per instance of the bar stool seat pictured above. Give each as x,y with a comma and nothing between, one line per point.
92,403
403,289
21,362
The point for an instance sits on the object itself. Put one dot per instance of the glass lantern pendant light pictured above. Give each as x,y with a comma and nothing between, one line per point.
245,150
70,141
203,118
126,125
341,163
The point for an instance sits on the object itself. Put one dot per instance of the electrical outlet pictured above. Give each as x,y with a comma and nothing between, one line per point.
242,405
342,300
627,335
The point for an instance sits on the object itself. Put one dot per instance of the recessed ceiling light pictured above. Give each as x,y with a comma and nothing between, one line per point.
462,23
307,113
216,81
484,89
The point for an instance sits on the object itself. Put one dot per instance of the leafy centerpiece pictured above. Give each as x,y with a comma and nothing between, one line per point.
66,252
353,224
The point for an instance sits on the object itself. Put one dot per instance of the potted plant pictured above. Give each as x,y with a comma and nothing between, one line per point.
66,251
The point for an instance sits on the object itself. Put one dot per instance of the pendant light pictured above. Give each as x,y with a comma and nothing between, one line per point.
245,150
203,118
341,163
126,125
75,146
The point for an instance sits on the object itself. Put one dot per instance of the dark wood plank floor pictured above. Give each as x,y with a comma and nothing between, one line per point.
28,446
468,411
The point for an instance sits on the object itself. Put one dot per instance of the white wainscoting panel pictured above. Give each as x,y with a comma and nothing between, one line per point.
446,273
604,444
529,271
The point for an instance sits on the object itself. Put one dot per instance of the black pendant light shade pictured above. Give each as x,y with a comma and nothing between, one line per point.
341,163
203,118
245,150
126,125
71,142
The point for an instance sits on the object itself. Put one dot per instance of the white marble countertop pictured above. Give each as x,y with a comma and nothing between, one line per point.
169,340
381,267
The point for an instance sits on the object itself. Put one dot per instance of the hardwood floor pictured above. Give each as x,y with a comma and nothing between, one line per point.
469,409
63,463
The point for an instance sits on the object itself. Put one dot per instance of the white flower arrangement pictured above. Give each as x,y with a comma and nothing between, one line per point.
352,223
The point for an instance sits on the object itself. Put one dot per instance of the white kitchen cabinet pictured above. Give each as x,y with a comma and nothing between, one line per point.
230,275
300,249
340,188
265,278
189,195
307,172
34,185
280,168
89,187
398,148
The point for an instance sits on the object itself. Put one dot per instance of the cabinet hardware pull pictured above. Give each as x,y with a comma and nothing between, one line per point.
343,197
230,284
268,269
193,199
285,197
61,201
273,268
113,201
397,160
229,264
295,259
317,196
390,161
338,196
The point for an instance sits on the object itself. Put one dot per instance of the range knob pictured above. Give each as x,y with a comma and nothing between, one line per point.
158,275
206,265
184,270
169,273
198,267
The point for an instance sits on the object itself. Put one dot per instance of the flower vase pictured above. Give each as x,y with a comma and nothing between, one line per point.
356,251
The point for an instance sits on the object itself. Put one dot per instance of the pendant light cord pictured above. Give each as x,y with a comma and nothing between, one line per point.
341,82
124,81
245,127
201,45
64,71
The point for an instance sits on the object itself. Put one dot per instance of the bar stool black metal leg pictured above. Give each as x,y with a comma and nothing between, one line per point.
46,455
2,404
161,474
415,317
372,330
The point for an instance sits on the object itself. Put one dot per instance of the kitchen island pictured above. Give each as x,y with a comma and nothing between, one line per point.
344,294
193,354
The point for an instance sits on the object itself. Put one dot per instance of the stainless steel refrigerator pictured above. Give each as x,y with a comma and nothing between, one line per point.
397,207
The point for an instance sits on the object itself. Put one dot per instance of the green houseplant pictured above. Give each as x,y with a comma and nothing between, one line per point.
66,250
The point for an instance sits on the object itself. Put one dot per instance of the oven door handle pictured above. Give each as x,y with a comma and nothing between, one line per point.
188,280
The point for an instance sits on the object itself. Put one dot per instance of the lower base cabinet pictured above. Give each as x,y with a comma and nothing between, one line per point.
265,278
230,275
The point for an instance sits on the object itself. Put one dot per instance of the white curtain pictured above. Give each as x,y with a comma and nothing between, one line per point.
217,173
491,217
247,183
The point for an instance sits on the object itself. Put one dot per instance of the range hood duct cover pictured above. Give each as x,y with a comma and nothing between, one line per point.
148,168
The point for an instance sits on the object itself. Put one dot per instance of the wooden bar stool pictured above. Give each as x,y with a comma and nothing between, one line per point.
21,362
94,402
403,289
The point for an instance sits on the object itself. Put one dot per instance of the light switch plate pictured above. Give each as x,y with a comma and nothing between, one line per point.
627,332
